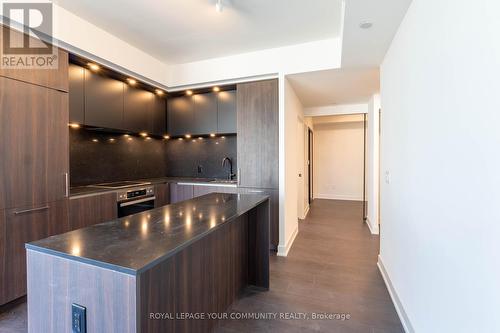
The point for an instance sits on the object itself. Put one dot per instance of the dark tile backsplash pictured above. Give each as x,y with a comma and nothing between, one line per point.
114,157
183,157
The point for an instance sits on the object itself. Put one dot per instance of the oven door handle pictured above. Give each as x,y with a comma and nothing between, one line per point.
130,203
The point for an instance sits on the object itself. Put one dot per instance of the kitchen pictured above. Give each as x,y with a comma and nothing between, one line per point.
86,144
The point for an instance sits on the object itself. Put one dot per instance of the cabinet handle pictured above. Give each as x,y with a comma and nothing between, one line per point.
66,184
24,211
239,176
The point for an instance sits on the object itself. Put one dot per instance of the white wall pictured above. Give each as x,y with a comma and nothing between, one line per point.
372,164
440,143
329,110
293,112
312,56
338,158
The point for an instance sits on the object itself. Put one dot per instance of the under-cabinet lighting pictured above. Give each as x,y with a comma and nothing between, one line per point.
111,140
143,134
212,135
188,136
148,138
159,92
216,89
180,139
94,67
189,92
166,137
132,82
95,140
75,126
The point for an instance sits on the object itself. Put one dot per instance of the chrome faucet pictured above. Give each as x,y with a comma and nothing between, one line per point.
228,160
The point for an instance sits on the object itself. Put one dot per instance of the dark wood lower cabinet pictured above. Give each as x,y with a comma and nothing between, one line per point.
180,193
274,211
23,225
162,194
186,192
90,210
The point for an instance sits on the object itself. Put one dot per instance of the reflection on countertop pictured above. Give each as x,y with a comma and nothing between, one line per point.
134,243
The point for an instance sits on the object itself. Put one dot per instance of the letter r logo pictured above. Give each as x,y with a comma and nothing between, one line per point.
36,19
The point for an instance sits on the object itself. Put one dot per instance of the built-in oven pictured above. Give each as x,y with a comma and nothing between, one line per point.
135,200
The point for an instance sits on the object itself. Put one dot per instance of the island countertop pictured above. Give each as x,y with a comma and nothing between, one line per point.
135,243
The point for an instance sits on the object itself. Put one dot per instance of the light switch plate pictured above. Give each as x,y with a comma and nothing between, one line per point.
78,318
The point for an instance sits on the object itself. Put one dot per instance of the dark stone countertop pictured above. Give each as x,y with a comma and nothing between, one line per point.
90,190
134,243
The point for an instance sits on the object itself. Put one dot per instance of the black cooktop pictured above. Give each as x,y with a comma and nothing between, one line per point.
122,184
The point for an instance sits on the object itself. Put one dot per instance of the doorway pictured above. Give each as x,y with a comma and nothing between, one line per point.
310,145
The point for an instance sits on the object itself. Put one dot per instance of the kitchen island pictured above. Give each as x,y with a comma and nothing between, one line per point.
153,271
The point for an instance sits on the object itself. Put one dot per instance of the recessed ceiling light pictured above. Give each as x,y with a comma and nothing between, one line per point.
132,82
366,25
219,6
93,66
159,92
216,89
189,92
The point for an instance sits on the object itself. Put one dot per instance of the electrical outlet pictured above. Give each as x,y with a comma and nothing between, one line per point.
78,319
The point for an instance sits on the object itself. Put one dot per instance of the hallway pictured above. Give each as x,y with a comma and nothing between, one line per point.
331,268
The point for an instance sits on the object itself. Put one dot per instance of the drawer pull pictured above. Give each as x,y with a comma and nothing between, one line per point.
25,211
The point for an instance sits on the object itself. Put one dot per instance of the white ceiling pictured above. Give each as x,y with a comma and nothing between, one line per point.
367,48
179,31
337,86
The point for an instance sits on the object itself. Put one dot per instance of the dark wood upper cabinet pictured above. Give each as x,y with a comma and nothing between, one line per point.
180,115
34,144
202,114
103,101
159,116
138,110
56,78
226,112
26,225
257,119
76,94
205,114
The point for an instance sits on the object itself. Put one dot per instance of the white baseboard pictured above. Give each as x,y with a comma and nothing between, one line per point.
373,228
283,250
405,321
330,196
304,214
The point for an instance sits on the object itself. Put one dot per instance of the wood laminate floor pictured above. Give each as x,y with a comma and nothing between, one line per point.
331,268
